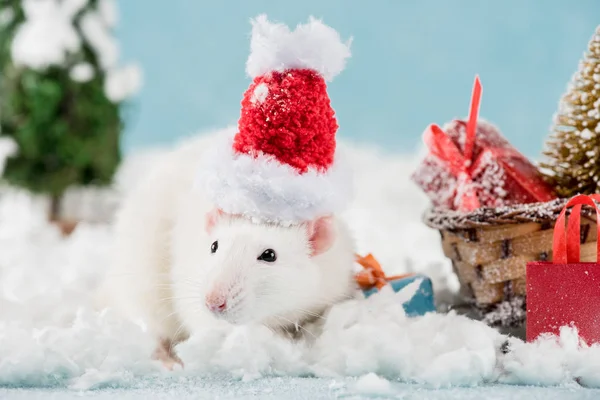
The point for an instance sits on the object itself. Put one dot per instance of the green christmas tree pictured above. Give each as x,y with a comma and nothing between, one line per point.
61,94
572,156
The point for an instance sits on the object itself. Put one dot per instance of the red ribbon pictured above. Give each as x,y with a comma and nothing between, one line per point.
566,245
458,163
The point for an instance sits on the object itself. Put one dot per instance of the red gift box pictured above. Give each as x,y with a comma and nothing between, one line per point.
471,165
566,292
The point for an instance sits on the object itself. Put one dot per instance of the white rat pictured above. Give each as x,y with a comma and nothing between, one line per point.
180,263
246,230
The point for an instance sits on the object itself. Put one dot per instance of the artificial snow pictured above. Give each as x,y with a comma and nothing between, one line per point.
47,36
108,12
372,384
82,72
97,34
122,83
586,134
55,331
260,93
8,147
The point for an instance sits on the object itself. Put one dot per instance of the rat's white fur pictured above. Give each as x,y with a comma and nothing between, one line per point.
164,267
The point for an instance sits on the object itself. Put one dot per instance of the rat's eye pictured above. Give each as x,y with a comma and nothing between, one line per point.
268,256
214,247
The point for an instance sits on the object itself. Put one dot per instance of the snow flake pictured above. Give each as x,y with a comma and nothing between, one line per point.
123,82
47,36
108,12
82,72
8,148
260,93
586,134
373,384
96,33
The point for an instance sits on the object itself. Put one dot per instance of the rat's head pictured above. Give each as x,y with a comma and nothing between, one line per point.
256,272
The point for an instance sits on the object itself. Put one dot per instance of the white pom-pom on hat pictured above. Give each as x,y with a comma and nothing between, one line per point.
313,45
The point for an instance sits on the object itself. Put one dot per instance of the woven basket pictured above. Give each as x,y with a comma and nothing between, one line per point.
490,248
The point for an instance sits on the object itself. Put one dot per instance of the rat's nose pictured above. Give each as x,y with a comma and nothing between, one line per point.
216,304
217,307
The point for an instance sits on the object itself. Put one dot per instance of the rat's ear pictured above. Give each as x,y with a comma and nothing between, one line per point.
321,234
212,217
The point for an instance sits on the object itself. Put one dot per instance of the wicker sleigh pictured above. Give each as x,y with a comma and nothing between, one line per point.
490,247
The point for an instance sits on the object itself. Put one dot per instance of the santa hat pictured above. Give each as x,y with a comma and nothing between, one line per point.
282,164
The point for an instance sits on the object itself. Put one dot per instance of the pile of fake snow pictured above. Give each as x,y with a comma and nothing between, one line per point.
48,37
373,384
51,335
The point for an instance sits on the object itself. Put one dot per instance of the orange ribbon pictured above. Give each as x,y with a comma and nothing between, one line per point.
372,275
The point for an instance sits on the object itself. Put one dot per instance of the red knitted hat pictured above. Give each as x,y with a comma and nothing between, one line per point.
282,164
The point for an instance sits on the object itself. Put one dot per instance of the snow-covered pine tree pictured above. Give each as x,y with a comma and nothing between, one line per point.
61,93
572,155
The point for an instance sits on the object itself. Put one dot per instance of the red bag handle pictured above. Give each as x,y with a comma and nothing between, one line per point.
566,246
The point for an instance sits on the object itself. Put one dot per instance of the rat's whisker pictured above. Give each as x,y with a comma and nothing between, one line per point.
296,325
311,313
171,298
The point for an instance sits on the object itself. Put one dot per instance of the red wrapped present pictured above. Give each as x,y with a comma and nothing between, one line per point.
470,165
566,292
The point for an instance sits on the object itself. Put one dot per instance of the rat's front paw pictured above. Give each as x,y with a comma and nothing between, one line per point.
165,353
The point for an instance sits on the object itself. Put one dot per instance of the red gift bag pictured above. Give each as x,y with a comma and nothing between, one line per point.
566,291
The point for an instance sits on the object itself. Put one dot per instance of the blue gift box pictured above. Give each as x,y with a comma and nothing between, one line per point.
421,303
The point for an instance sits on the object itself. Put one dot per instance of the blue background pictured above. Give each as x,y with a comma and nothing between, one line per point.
413,63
